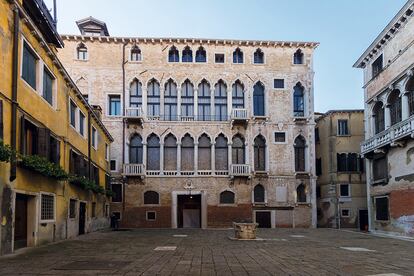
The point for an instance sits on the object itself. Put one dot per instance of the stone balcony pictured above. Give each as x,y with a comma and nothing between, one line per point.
240,170
390,136
134,114
134,170
239,116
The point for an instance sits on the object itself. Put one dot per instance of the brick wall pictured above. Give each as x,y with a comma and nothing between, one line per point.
401,203
136,217
223,216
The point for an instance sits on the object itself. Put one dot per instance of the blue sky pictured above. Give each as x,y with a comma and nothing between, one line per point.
344,29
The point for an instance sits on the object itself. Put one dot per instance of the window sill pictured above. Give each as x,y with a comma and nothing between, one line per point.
259,203
227,205
302,204
260,118
135,61
383,181
343,135
300,119
82,60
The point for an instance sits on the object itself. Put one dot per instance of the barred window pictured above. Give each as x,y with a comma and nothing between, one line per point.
72,208
47,207
301,193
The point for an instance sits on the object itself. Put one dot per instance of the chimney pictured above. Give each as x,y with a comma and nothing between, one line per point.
97,109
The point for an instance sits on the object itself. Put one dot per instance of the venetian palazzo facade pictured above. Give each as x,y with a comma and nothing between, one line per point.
388,66
341,186
47,132
207,131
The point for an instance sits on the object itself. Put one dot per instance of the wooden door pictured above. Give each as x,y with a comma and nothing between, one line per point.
82,217
263,219
20,222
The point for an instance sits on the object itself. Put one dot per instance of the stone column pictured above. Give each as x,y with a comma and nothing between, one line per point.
405,109
212,107
195,104
179,103
213,161
144,154
179,158
144,100
229,101
246,154
195,158
387,116
162,92
162,158
229,156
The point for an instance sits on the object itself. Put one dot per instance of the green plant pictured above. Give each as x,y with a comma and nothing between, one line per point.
109,193
43,166
86,184
5,152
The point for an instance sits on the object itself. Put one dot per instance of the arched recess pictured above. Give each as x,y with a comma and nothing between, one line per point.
260,153
135,149
300,154
170,152
238,150
301,193
394,102
259,195
227,197
153,152
378,114
298,100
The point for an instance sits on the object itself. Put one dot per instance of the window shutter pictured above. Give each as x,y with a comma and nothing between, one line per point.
43,142
1,119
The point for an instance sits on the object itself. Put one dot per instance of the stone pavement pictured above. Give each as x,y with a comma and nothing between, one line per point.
211,252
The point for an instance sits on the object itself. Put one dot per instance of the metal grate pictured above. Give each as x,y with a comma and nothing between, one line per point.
48,207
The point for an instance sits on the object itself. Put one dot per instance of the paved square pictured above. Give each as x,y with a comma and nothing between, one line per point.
211,252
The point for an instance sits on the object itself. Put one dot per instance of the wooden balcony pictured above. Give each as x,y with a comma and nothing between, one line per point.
390,136
240,170
134,170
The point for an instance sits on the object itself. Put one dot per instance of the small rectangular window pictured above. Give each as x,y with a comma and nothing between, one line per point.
81,123
380,168
117,190
345,190
280,137
345,213
114,105
381,208
47,211
94,138
72,208
317,137
318,166
151,215
377,66
219,58
343,128
93,209
279,83
106,152
112,165
48,86
29,65
72,112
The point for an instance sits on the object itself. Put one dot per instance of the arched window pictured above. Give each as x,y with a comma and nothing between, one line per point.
153,152
221,153
201,55
187,54
170,153
259,153
135,150
204,100
220,101
227,197
237,95
258,57
394,101
82,52
173,55
298,100
298,57
238,150
259,194
136,53
410,93
187,153
151,197
299,145
204,153
238,56
153,98
258,100
170,101
379,117
301,193
135,94
187,99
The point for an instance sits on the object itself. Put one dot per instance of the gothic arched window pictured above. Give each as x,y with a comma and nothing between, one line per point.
238,150
187,153
238,56
204,99
187,54
394,101
237,95
298,100
187,99
153,152
221,153
136,54
82,52
135,94
300,145
170,101
298,57
204,153
170,153
258,100
259,194
258,57
301,193
173,55
259,153
220,101
201,55
153,98
135,150
379,117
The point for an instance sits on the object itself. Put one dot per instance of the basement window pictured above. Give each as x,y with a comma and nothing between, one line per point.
151,215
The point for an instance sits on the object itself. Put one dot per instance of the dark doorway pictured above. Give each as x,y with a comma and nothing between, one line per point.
20,222
363,220
263,219
189,211
82,217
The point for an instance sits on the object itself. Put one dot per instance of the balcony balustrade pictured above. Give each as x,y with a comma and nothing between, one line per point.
240,170
134,113
134,170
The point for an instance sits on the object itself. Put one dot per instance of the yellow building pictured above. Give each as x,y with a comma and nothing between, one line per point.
55,186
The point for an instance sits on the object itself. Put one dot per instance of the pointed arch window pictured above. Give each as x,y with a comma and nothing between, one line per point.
136,53
301,193
227,197
170,101
395,106
258,100
187,54
379,117
204,153
204,101
187,99
298,100
258,57
187,153
173,55
237,95
135,94
259,153
201,55
170,153
221,153
135,150
153,152
259,194
410,94
220,101
298,57
300,145
153,99
82,52
238,150
238,56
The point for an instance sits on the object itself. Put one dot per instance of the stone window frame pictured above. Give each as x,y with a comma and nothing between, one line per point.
122,192
130,54
76,128
375,208
75,54
264,57
220,53
284,83
303,58
149,204
274,138
349,190
151,211
345,209
116,165
54,208
76,208
234,204
108,104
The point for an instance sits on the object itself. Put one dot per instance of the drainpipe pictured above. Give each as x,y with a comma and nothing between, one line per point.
13,142
123,125
89,145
